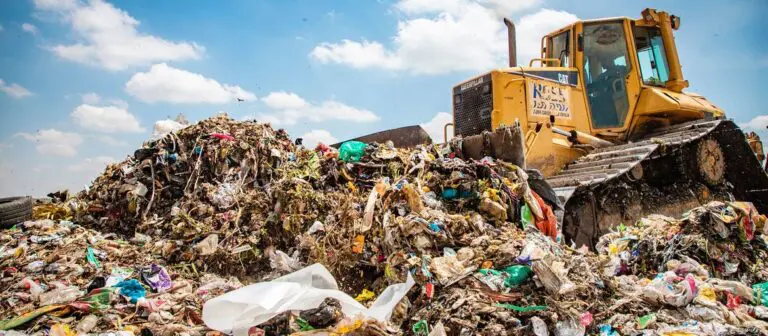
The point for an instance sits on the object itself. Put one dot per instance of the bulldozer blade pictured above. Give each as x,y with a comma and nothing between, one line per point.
408,136
504,143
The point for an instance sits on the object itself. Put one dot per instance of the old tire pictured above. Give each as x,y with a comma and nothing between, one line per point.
14,210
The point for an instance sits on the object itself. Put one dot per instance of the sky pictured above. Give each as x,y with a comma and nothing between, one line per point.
82,83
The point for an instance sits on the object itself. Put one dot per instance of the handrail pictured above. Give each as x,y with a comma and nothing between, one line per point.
445,132
545,60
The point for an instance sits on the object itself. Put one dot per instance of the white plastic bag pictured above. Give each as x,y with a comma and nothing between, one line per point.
163,127
236,311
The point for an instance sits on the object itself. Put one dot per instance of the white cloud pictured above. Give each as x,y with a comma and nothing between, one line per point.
106,119
267,118
14,90
758,123
284,100
40,168
314,137
4,146
54,142
92,165
111,141
290,108
55,5
163,83
440,36
531,28
91,98
29,28
504,8
435,126
119,103
108,37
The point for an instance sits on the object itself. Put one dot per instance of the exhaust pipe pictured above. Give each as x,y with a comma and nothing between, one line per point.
512,42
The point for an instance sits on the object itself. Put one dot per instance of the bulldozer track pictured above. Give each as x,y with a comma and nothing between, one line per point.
632,167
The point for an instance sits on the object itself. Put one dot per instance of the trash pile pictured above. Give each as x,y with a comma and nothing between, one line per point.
365,240
704,274
59,278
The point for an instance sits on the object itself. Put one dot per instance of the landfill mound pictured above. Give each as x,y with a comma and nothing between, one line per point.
471,247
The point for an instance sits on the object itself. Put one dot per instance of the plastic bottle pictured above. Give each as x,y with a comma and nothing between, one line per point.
34,289
35,266
87,323
60,295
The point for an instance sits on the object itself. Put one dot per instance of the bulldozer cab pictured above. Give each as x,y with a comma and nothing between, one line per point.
618,59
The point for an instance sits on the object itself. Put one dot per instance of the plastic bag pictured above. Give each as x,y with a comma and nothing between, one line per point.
163,127
117,275
157,277
236,311
518,274
447,268
281,261
521,309
132,289
539,326
569,328
646,321
352,151
526,217
734,287
225,195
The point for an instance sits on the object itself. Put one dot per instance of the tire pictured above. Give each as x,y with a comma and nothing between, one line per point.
14,210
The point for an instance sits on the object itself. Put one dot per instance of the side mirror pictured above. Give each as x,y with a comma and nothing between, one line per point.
580,42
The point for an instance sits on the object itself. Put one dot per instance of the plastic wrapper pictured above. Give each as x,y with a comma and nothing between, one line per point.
157,278
281,261
305,289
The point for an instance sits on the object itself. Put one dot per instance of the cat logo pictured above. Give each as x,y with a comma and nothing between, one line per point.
562,78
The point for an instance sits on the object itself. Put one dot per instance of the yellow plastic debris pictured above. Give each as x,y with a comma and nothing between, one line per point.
61,330
365,295
358,245
707,293
346,327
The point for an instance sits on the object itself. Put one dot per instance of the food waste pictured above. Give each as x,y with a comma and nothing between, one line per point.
230,227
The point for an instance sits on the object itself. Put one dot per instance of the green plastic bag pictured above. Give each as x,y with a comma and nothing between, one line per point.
521,309
91,257
304,325
352,151
761,293
518,274
526,217
645,321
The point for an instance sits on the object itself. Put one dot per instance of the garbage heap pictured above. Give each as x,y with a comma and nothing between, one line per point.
423,242
59,278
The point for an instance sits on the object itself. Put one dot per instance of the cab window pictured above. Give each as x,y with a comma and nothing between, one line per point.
651,55
560,48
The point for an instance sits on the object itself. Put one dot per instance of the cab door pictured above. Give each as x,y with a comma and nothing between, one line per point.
610,81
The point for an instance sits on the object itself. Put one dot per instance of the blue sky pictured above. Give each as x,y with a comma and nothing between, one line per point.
83,82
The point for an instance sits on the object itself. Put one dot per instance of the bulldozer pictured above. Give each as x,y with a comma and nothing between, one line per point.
602,115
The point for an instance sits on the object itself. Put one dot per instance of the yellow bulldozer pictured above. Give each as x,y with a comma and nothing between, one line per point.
602,115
